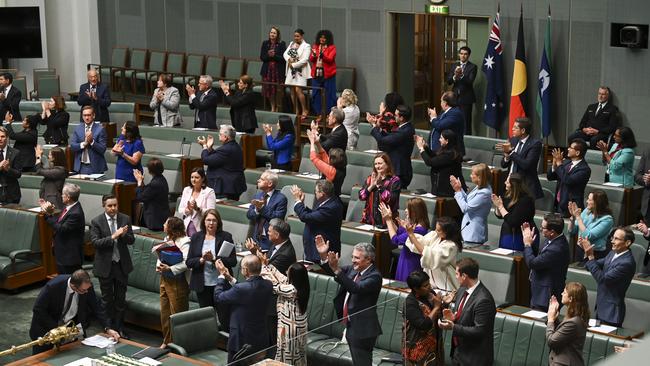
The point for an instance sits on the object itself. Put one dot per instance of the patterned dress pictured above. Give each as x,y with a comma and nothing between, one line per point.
292,325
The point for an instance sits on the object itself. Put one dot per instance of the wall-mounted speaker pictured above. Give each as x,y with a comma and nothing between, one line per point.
629,35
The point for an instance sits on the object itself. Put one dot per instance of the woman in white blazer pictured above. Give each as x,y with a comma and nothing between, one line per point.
165,103
196,198
475,205
298,70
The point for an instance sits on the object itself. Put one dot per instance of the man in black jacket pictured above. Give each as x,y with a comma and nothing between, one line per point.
521,155
205,103
398,144
10,170
9,97
599,121
95,94
225,164
154,196
338,136
461,78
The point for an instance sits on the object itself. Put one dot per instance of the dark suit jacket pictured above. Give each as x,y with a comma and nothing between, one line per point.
100,235
52,184
644,167
605,122
453,120
475,328
278,58
25,142
100,105
56,131
284,257
195,253
9,187
206,110
363,295
155,197
566,341
51,301
525,162
242,110
225,169
11,103
399,146
95,151
443,165
247,322
570,183
336,138
322,220
276,207
463,87
69,236
613,279
547,270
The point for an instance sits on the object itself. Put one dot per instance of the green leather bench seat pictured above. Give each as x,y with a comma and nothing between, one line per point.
285,181
497,273
118,111
595,160
173,168
481,149
19,234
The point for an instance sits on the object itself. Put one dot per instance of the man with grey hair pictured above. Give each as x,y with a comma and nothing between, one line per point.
205,103
357,297
267,204
68,227
338,136
96,94
225,164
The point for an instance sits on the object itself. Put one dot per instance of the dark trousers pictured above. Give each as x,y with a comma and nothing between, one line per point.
467,112
273,336
206,298
405,180
67,269
361,350
113,290
591,140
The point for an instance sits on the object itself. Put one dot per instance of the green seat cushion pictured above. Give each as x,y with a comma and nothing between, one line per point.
6,269
215,357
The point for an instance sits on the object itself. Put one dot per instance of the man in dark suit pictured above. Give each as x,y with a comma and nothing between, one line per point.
9,97
599,121
642,178
548,268
248,325
613,274
356,299
398,144
67,298
268,203
324,219
110,234
225,164
205,103
68,227
96,95
338,136
451,118
572,176
521,155
10,170
473,321
154,196
461,78
88,144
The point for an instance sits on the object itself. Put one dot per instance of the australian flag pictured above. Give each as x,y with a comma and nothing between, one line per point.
493,69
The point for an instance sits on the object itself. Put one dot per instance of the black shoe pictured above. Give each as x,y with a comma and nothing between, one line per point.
124,335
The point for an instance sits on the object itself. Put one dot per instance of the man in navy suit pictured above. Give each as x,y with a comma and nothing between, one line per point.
205,103
9,97
248,325
10,170
65,298
461,77
548,268
572,176
613,274
338,136
96,95
267,204
225,164
521,155
360,284
324,219
451,118
89,144
398,144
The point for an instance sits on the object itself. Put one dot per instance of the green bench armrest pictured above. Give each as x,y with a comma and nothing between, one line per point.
177,349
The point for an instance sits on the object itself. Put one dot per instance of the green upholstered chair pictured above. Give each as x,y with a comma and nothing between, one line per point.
48,86
157,64
21,84
234,69
214,66
139,62
187,325
253,69
20,251
119,60
345,79
175,63
40,72
194,67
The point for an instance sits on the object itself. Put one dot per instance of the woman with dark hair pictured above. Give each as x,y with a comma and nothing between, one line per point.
25,140
517,208
567,339
422,308
332,167
382,185
298,70
204,247
386,117
439,249
175,278
196,198
416,214
594,223
323,71
620,158
53,177
129,150
444,163
273,66
242,104
282,144
165,103
56,119
293,297
154,196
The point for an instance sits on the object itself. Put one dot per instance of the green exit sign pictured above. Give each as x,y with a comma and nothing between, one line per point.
437,9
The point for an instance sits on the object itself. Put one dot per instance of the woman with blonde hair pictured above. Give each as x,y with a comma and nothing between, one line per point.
474,205
566,339
348,103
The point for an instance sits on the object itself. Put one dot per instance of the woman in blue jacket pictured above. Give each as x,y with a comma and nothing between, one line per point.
475,205
594,223
282,144
620,158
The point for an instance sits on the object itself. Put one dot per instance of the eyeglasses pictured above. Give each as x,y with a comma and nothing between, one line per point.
211,220
87,115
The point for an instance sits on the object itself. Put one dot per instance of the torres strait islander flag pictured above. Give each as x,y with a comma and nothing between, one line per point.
519,82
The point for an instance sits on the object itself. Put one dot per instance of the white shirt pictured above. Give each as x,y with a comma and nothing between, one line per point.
7,92
277,247
74,305
4,151
469,292
268,194
619,254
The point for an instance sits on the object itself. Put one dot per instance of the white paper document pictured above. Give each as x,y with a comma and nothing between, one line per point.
502,251
244,205
535,314
175,155
86,361
98,341
150,361
199,129
372,151
613,184
277,171
50,146
603,329
114,181
367,227
427,195
36,209
309,175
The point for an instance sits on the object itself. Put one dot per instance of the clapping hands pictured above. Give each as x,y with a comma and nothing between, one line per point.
297,193
553,309
528,233
497,201
574,210
385,211
558,156
455,183
268,129
587,247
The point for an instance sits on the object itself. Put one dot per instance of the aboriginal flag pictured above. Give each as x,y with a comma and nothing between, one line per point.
519,83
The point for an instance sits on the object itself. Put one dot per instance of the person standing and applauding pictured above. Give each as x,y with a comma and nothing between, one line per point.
567,339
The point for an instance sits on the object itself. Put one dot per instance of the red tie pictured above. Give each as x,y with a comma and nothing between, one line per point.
345,305
461,305
62,214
